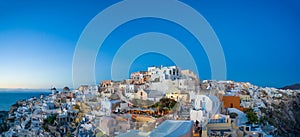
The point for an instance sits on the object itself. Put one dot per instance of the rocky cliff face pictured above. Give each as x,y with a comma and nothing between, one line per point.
4,121
3,118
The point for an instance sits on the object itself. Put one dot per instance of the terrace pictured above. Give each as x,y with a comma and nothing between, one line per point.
219,125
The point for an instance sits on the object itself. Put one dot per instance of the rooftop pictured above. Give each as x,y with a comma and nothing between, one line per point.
171,128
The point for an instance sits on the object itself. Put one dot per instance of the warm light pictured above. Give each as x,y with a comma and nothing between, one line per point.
216,116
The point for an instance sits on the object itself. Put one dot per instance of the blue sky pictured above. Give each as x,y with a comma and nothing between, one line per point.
260,40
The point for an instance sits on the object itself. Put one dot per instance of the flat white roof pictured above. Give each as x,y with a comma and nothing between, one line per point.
172,128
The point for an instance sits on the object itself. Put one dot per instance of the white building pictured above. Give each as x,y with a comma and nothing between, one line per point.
204,107
182,84
106,106
161,73
154,95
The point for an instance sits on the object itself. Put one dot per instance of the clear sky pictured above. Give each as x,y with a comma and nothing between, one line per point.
260,39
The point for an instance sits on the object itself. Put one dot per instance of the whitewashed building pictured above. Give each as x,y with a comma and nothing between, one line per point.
161,73
204,107
106,106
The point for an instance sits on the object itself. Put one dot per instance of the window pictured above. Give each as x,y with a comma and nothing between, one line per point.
247,129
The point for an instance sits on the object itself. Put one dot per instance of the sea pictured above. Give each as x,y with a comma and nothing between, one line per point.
9,97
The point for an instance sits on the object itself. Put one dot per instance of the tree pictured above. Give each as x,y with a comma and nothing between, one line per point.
50,120
252,117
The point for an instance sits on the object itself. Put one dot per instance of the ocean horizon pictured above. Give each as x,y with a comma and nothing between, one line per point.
8,97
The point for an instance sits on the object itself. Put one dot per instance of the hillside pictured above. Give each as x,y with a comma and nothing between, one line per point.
292,87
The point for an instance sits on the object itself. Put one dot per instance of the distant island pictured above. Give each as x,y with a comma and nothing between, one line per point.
292,87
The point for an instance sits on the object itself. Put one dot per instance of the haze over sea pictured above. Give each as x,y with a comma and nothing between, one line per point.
9,97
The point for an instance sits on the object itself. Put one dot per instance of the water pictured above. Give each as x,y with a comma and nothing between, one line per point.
10,97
